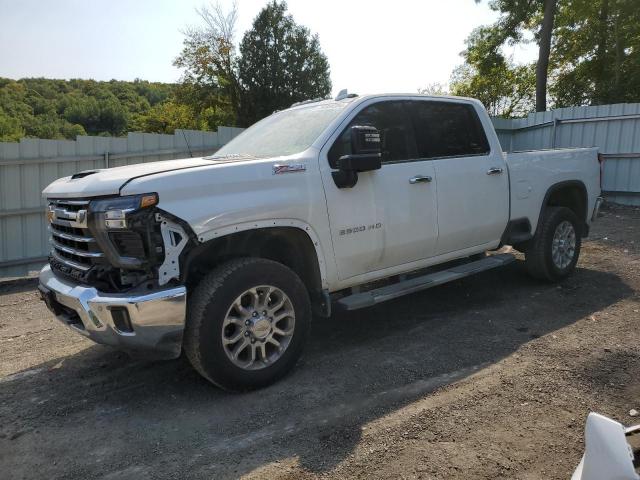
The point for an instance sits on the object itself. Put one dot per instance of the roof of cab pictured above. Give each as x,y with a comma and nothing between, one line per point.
361,98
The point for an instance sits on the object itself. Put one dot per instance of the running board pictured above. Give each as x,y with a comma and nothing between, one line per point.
389,292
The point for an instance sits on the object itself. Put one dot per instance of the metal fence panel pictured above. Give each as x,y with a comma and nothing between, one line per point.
614,129
27,167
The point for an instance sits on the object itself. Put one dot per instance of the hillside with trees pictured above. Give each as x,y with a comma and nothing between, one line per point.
277,63
45,108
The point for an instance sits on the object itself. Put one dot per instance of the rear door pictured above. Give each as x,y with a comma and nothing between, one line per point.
472,180
388,218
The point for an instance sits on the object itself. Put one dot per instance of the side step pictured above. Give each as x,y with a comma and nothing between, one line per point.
389,292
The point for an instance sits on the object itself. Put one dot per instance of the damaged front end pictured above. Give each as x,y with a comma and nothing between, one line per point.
114,271
115,243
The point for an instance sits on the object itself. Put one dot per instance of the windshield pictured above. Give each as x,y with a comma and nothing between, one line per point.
283,133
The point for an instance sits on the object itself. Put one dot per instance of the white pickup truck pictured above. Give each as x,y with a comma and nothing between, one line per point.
340,203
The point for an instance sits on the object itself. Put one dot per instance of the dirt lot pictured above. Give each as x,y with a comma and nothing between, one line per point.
489,377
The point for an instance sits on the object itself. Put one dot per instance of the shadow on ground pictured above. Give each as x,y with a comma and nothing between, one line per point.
98,413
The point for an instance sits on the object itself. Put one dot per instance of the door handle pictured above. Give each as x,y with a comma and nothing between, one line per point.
420,179
494,171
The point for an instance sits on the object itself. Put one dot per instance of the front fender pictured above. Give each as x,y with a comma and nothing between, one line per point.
276,222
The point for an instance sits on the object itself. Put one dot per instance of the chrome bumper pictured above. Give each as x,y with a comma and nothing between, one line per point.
150,323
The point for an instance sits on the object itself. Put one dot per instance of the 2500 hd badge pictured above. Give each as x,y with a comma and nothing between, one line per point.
361,228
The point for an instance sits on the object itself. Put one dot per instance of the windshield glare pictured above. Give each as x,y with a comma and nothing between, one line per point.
283,133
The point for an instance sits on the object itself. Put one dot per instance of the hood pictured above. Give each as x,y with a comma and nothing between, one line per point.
109,181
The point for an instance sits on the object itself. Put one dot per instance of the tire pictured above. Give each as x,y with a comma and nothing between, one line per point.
539,256
216,315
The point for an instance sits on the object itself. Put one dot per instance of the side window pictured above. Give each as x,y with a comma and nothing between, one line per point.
445,129
393,121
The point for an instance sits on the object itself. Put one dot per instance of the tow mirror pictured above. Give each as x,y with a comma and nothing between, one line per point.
366,156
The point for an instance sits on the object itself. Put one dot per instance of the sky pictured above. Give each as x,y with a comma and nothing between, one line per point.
373,46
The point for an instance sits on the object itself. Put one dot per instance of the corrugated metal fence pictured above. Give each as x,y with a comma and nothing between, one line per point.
614,129
30,165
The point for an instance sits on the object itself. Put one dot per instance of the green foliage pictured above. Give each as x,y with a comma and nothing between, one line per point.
166,118
435,88
209,82
505,89
44,108
594,58
10,128
596,52
280,63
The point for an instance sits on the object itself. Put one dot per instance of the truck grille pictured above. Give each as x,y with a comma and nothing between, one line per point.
72,243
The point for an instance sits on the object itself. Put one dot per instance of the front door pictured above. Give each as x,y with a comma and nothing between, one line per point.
389,218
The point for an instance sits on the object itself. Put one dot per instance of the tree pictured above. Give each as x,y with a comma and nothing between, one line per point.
435,89
166,118
589,50
114,118
533,16
209,60
596,53
544,42
44,108
10,128
504,88
280,63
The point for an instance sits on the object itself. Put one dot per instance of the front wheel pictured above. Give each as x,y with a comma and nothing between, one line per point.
553,252
247,324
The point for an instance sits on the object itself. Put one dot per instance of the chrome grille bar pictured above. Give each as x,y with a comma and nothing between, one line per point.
72,243
66,223
68,236
70,263
73,251
70,202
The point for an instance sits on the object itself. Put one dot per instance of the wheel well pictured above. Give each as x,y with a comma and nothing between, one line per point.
290,246
572,195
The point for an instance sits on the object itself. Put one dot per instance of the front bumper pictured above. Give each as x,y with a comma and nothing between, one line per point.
146,322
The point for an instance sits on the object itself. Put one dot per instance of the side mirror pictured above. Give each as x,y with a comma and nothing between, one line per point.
366,156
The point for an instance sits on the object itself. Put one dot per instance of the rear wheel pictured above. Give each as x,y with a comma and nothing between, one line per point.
248,322
553,252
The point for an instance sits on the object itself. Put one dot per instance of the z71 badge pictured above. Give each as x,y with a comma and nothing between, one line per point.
361,228
279,169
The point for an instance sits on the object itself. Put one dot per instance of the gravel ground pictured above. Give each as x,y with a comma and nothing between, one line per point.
488,377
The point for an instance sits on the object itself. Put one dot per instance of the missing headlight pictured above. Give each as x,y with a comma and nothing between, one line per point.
128,243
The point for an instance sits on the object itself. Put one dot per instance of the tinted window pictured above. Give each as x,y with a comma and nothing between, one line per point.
446,129
393,121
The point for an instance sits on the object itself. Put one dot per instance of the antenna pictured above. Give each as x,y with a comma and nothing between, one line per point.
187,142
345,94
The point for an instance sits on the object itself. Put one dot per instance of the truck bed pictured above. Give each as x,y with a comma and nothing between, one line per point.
533,173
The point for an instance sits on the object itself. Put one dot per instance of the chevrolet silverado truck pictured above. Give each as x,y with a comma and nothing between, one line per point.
330,204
